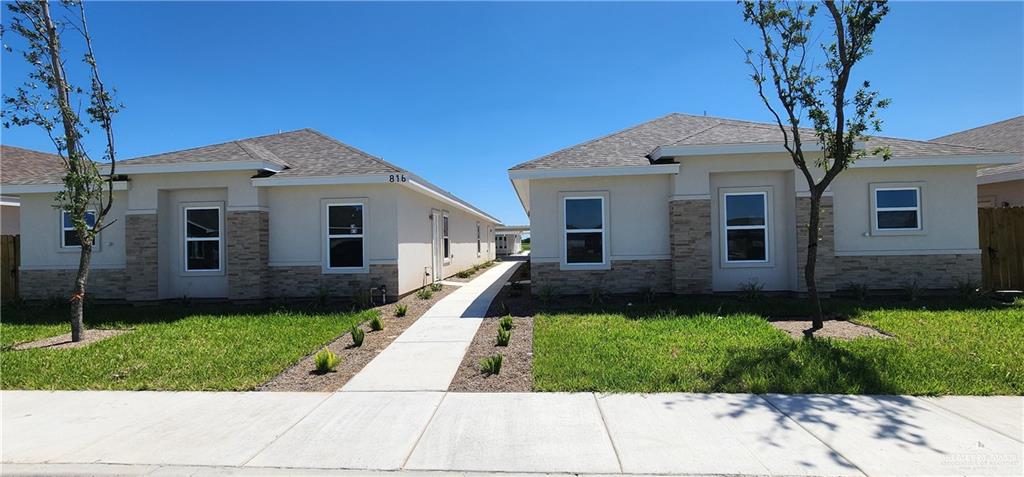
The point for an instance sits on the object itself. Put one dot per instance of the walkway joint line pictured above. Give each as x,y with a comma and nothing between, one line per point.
297,421
812,434
422,431
983,425
608,432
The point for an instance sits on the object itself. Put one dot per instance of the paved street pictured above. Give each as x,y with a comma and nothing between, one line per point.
242,433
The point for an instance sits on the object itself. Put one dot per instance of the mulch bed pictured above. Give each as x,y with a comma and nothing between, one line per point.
834,328
473,274
302,376
516,373
64,341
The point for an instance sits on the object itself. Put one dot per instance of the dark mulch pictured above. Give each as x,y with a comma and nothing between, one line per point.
516,373
64,341
834,328
302,376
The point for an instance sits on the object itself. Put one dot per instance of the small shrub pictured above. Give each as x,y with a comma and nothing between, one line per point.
376,324
967,288
321,298
859,291
596,296
912,291
752,290
546,294
506,323
424,294
504,335
401,309
326,361
464,274
649,293
364,299
436,287
491,364
357,336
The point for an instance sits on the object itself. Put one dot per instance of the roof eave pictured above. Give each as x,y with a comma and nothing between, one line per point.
17,189
653,169
984,160
178,167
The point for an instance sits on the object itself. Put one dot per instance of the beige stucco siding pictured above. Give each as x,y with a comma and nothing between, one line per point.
1000,194
415,246
695,172
41,232
949,214
637,227
297,231
144,189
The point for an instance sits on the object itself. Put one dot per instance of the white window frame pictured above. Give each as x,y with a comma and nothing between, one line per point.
446,238
325,233
875,209
766,204
478,245
186,239
605,259
62,228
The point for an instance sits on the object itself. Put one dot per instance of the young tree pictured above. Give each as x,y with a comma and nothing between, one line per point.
839,120
49,100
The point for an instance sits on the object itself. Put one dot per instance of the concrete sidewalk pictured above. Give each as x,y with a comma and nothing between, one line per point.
296,433
426,356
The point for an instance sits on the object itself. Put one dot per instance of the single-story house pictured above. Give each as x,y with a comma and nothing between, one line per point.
295,214
509,238
696,204
1000,186
21,166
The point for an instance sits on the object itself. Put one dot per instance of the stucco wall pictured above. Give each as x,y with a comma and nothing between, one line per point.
949,212
637,227
174,281
144,190
415,239
41,232
998,193
778,273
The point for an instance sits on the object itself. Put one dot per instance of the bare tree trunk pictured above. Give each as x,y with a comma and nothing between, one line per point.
78,295
812,258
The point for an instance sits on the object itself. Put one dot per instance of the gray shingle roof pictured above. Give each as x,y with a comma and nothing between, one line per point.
1005,135
631,146
302,153
20,166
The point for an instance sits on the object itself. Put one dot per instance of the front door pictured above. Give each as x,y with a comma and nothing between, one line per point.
436,254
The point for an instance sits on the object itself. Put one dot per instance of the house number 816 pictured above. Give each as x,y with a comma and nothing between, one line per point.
397,178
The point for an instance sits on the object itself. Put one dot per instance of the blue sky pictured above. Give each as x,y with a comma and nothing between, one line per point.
460,92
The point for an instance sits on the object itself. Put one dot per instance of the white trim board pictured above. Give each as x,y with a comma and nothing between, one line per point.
320,180
978,160
652,169
129,168
1001,177
49,188
868,253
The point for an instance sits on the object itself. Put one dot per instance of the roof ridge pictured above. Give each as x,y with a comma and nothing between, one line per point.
354,149
224,143
253,150
983,126
688,136
611,134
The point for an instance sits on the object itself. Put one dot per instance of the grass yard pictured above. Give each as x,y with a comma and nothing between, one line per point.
727,346
169,348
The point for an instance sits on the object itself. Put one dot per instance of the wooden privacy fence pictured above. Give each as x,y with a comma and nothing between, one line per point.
9,258
1002,247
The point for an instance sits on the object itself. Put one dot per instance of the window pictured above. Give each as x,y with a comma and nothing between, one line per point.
898,208
68,235
345,233
444,238
746,227
202,239
584,230
478,239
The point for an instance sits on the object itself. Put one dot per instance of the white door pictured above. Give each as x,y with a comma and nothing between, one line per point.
436,258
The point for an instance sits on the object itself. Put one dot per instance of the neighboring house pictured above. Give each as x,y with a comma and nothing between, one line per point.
18,166
509,238
694,204
295,214
1000,186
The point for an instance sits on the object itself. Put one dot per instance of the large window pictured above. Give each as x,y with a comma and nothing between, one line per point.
345,235
202,239
444,238
746,227
584,230
898,208
68,235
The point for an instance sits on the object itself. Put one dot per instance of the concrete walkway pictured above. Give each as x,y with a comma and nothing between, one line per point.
426,356
195,433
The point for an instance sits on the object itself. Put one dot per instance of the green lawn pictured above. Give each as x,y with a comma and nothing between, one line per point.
727,346
169,347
